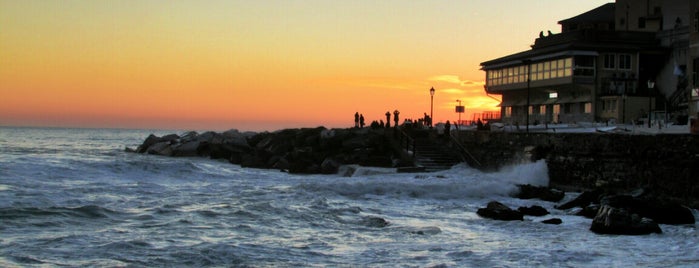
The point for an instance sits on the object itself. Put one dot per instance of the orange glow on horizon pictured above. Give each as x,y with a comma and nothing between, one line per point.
256,66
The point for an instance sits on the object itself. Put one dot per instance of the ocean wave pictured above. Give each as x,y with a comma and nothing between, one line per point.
88,211
457,183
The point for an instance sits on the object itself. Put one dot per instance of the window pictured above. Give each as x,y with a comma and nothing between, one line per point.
584,66
553,95
508,111
542,109
609,106
696,21
539,71
588,107
641,23
625,61
609,61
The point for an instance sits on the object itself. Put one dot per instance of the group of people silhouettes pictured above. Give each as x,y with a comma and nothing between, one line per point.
359,120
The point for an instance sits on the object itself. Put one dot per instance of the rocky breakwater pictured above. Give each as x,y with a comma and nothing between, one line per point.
304,150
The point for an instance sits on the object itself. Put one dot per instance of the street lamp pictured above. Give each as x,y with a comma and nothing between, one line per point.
431,105
651,85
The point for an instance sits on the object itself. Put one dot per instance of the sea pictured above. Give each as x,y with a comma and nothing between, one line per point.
75,198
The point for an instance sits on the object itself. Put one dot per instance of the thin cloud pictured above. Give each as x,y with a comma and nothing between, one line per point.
455,79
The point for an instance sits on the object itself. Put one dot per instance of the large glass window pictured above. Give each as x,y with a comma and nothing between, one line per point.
625,61
584,66
609,61
539,71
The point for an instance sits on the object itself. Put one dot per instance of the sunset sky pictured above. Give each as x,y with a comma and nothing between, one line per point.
255,65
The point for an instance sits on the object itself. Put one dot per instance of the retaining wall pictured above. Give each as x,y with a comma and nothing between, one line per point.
666,164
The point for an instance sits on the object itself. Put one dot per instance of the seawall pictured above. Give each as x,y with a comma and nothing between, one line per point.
665,164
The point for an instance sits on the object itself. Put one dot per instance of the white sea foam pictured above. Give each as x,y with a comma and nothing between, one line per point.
84,202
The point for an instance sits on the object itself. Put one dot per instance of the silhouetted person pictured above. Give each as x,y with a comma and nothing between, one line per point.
395,117
381,124
361,121
388,119
447,129
356,119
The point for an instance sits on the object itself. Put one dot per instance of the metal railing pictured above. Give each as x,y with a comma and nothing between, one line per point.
407,142
462,150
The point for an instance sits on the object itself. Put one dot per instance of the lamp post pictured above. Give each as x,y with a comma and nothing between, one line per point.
431,105
651,85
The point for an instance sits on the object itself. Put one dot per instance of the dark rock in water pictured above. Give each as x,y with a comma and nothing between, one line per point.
161,148
533,211
187,149
527,191
329,166
589,211
497,211
583,200
611,220
661,211
553,221
374,222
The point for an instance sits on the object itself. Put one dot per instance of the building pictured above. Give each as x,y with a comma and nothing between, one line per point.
599,67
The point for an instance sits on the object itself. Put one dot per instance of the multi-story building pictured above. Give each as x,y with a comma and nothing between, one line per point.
622,62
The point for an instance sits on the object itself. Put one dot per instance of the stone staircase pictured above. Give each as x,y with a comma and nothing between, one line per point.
434,156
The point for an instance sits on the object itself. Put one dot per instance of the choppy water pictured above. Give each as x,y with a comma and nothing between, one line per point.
72,197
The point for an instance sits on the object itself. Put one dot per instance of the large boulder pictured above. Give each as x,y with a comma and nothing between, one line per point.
497,211
611,220
329,166
533,211
161,148
661,211
190,148
583,200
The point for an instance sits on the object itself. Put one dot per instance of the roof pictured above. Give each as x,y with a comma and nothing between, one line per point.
602,13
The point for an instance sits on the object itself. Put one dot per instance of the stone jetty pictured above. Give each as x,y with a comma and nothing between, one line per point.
303,150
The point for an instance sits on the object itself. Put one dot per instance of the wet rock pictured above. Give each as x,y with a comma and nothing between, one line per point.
533,211
611,220
497,211
375,222
553,221
187,149
661,211
329,166
583,200
426,231
161,148
589,211
527,191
